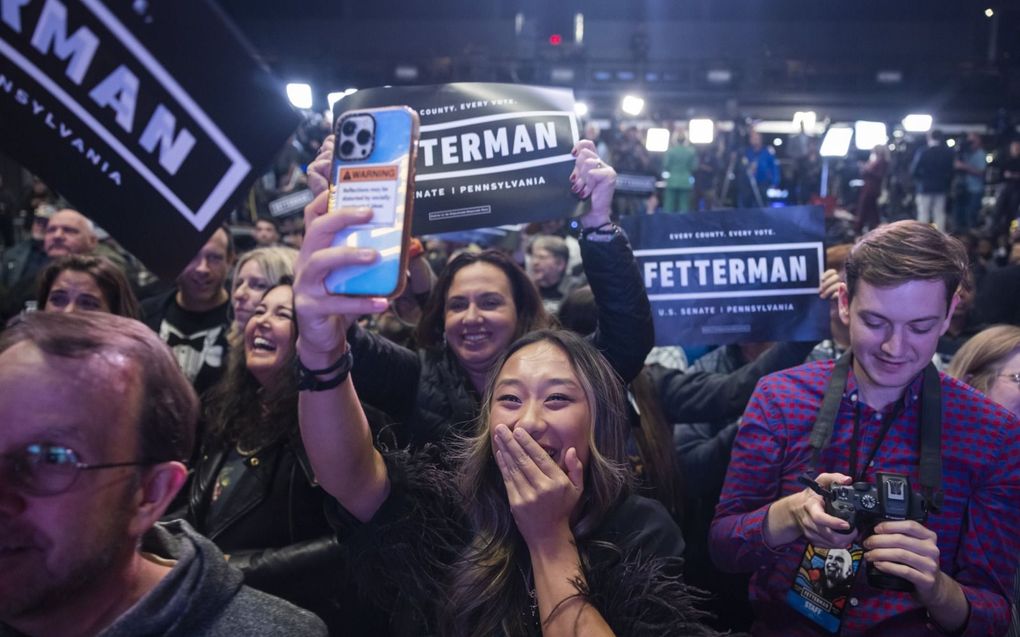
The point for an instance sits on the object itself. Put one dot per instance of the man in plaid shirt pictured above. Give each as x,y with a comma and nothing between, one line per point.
898,297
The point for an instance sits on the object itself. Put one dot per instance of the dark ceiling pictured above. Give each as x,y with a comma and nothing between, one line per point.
866,58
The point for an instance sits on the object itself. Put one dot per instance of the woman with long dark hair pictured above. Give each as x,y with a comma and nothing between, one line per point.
532,530
483,302
253,492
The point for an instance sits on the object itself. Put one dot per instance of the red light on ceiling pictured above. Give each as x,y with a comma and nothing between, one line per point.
555,39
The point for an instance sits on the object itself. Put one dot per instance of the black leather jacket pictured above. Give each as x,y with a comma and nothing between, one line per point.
274,529
430,396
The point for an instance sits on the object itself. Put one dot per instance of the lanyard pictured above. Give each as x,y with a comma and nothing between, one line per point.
887,422
930,438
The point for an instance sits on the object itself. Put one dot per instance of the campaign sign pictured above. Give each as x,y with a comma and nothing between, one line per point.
151,118
290,204
729,276
489,154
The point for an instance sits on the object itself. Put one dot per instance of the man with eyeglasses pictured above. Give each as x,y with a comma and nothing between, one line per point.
96,419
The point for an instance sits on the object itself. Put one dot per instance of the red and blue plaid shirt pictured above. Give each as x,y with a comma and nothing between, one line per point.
978,526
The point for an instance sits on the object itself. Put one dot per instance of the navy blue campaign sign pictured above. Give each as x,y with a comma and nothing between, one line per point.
152,118
489,154
731,276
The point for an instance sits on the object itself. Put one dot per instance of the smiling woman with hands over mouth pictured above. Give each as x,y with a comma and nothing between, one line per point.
533,531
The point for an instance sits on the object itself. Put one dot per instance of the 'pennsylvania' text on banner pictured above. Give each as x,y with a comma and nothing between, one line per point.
136,131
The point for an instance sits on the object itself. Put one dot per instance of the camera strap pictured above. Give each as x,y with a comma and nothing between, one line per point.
930,427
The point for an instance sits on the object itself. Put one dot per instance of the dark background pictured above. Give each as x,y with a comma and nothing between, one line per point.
824,55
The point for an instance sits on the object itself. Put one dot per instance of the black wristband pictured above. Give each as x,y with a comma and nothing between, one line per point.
607,230
306,378
602,234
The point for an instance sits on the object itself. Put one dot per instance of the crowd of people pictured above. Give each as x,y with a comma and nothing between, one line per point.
501,450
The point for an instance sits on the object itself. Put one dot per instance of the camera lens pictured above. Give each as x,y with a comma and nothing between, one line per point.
364,137
349,128
346,148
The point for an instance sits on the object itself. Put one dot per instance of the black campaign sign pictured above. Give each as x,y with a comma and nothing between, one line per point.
728,276
489,154
138,130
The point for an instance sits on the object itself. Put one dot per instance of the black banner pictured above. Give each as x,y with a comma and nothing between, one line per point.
729,276
489,154
151,118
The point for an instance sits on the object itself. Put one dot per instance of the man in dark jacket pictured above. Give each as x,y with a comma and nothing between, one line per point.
932,171
99,418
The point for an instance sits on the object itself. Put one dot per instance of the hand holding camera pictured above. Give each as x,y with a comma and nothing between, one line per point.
815,521
890,514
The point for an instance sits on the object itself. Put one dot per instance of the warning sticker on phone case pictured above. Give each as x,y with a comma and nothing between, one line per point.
374,187
368,173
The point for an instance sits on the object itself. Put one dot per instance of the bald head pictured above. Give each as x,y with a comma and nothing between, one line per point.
69,232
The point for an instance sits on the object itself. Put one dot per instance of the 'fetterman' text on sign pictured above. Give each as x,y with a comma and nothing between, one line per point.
732,275
778,269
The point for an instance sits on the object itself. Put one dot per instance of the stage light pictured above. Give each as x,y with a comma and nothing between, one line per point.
555,39
299,94
719,76
777,142
632,105
561,75
580,109
917,123
657,140
989,158
836,142
867,135
518,23
701,131
989,12
951,142
889,77
333,98
579,28
406,72
807,119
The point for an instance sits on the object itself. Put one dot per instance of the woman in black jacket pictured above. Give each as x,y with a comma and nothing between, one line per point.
536,530
482,302
253,491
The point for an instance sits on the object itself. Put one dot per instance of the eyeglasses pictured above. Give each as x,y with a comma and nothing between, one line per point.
1015,377
42,469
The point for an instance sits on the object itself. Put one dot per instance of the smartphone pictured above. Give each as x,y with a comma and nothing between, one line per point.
373,166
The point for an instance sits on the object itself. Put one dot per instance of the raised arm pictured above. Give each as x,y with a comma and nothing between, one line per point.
334,428
625,333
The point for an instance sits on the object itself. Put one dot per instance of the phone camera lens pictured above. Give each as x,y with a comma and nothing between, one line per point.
364,137
349,128
347,148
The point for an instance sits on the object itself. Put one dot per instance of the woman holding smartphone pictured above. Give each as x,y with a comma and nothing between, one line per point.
483,302
533,532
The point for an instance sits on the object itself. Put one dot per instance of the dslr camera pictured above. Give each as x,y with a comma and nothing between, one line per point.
863,505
